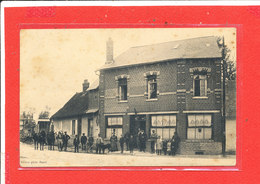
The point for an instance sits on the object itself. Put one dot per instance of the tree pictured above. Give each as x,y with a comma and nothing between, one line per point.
45,114
28,122
228,74
228,64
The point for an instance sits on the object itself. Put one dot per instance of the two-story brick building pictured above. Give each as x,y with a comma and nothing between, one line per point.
166,87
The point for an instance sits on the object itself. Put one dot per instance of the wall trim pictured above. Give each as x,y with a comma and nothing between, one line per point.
203,111
163,112
115,114
168,93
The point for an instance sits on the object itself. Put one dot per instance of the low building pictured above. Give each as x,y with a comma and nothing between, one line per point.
167,87
80,114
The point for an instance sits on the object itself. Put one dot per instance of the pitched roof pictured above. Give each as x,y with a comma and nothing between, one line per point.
202,47
77,105
94,85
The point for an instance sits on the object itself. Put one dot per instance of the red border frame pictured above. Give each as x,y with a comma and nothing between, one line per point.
244,18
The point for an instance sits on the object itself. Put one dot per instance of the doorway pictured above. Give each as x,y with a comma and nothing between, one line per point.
137,122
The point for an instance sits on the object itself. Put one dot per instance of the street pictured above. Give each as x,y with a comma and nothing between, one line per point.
48,158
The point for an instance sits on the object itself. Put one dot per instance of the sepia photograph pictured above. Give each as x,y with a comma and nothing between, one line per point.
128,97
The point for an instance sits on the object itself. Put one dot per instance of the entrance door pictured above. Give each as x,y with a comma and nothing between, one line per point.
137,122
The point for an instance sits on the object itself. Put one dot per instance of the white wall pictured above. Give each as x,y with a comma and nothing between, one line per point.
96,128
65,125
84,128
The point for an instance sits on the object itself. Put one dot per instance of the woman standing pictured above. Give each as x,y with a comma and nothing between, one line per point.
113,141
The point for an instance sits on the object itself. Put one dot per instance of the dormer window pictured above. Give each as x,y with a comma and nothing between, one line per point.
152,87
122,89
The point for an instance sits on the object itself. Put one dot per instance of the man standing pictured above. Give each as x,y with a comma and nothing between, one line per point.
59,140
90,144
99,143
127,137
35,140
175,140
76,144
153,140
83,141
65,140
42,139
142,139
131,143
121,141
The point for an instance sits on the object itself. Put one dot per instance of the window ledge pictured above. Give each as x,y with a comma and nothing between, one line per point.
122,101
200,97
151,100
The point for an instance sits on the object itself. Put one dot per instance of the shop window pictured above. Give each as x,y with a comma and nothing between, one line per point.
200,85
164,125
122,89
152,87
114,125
199,126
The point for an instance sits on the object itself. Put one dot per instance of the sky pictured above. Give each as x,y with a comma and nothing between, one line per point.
55,62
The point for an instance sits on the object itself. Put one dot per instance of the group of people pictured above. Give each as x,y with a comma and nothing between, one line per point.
86,143
168,146
158,145
126,139
62,141
41,138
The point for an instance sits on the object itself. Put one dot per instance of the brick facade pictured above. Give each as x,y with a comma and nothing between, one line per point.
175,95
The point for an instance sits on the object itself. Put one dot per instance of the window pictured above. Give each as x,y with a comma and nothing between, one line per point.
114,125
90,127
152,87
73,127
122,89
164,125
200,85
199,126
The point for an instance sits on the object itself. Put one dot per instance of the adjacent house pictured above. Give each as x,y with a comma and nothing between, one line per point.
80,114
166,87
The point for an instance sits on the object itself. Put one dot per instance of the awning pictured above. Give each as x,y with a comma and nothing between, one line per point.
89,111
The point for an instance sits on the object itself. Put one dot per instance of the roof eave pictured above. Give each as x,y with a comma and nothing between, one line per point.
158,61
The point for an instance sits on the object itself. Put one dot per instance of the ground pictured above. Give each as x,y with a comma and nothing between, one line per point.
36,158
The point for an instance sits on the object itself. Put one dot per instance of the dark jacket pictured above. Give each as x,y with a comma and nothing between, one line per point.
131,142
83,139
121,140
76,141
65,138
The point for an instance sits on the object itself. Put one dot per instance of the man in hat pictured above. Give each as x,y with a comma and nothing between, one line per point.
83,141
65,140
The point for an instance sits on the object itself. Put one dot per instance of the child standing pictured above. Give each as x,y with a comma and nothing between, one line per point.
159,144
169,144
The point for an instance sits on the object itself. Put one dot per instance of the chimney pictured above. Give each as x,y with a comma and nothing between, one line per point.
109,51
85,85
